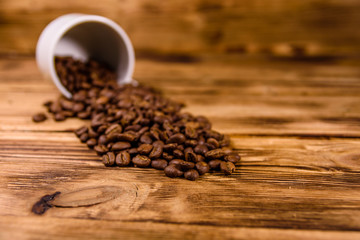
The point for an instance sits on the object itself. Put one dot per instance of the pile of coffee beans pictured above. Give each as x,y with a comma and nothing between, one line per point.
137,126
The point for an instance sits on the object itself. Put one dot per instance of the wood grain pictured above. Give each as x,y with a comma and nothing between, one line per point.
296,127
185,30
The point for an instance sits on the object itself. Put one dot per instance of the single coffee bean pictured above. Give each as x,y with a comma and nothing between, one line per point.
214,154
178,153
135,127
84,137
91,142
133,151
191,142
141,161
190,157
145,149
108,159
201,149
100,149
233,157
167,156
114,128
81,130
183,164
202,167
173,171
83,115
120,146
213,142
200,158
178,138
39,117
215,164
156,151
59,117
170,147
188,149
145,138
159,164
190,132
129,137
92,133
191,175
78,107
227,167
123,159
102,140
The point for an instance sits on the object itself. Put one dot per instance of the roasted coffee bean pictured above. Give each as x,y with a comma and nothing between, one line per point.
167,156
190,132
102,140
200,158
78,107
108,159
178,153
178,138
39,117
216,153
170,147
145,138
202,167
114,128
145,149
91,142
83,115
92,133
190,157
201,149
84,137
227,167
59,117
137,121
78,132
120,146
213,142
191,142
157,150
133,151
191,175
101,149
184,165
215,164
173,171
123,159
234,158
141,161
159,164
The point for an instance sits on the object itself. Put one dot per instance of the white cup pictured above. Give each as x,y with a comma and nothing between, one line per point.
83,37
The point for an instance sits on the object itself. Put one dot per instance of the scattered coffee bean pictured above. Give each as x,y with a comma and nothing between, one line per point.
123,159
202,167
141,161
39,117
173,171
227,167
159,164
233,157
191,175
137,124
108,159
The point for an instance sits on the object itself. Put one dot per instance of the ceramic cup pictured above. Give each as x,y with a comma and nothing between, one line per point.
84,36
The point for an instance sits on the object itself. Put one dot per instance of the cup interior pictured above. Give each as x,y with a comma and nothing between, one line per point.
98,41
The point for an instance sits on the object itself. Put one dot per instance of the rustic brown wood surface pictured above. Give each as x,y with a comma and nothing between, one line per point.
190,28
296,126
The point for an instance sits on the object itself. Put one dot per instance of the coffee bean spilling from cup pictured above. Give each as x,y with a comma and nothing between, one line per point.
136,125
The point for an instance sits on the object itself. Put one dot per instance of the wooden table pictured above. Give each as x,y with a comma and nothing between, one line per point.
296,126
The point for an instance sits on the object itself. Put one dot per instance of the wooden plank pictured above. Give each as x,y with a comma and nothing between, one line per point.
280,183
57,228
297,100
197,27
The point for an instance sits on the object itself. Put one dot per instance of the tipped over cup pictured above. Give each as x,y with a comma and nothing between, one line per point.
85,37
